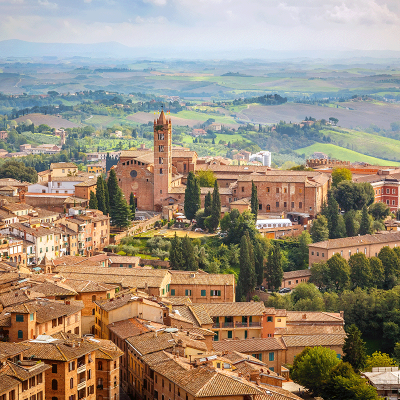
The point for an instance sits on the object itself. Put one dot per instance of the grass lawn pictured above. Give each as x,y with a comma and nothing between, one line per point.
170,233
343,154
200,116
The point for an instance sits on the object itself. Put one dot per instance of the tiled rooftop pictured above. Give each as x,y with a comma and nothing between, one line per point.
234,309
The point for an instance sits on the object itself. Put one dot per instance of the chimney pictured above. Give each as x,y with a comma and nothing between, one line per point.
67,302
304,316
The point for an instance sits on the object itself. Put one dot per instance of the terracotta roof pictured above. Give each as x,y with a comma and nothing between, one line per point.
108,350
10,349
378,238
249,345
312,316
87,183
177,300
313,329
63,165
202,279
86,286
41,231
234,309
55,289
314,340
128,328
122,300
123,260
194,313
58,350
296,274
275,393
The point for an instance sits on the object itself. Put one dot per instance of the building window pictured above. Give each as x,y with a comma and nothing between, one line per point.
269,319
267,189
161,171
323,254
285,190
203,293
71,366
54,368
260,206
277,204
292,205
284,204
349,253
341,253
393,191
312,253
387,191
387,202
188,292
19,318
300,190
300,204
393,202
242,188
100,366
71,383
271,356
268,208
20,335
31,316
215,292
277,190
317,253
229,334
172,292
54,384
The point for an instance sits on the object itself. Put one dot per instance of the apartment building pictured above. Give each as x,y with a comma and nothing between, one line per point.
370,245
236,320
35,317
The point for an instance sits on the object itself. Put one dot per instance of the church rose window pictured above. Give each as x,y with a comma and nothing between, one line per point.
133,173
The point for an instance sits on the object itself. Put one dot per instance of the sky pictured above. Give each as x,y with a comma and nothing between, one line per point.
213,25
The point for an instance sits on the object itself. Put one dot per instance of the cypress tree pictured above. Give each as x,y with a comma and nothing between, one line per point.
207,205
175,253
132,205
121,213
192,196
106,197
189,259
93,201
100,196
247,275
259,262
340,231
112,185
212,221
332,214
349,219
274,271
254,200
354,349
365,224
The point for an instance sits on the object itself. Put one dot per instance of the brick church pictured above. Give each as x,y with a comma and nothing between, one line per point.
157,179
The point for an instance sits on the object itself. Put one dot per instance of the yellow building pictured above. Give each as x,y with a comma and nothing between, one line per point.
96,169
63,169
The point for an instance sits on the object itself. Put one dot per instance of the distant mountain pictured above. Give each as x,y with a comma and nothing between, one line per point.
20,48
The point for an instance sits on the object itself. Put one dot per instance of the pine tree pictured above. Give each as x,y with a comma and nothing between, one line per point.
190,263
354,349
254,200
365,224
319,229
112,185
93,201
274,271
132,205
192,196
212,221
207,205
247,275
175,253
100,196
121,213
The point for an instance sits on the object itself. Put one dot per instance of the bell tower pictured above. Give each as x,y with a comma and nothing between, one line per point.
162,160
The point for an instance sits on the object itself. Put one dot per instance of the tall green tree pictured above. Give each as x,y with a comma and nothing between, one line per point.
391,265
273,267
192,196
365,225
132,205
377,272
112,185
176,259
379,210
254,200
332,215
93,201
319,229
207,205
360,271
212,221
339,175
339,272
100,195
189,259
340,230
121,213
259,252
303,253
354,349
247,274
349,220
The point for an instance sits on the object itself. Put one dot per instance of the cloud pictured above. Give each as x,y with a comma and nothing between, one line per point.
47,4
156,2
150,20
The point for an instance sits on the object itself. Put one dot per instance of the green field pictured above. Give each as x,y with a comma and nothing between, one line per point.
343,154
200,116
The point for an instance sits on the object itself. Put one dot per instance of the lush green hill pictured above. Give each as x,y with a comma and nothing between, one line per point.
343,154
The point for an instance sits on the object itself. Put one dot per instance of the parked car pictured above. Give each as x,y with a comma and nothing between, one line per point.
285,290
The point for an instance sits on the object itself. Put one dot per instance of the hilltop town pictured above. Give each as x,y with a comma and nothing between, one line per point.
156,273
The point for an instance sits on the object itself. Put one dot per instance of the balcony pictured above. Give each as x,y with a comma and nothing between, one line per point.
228,325
81,368
254,324
216,326
241,324
81,385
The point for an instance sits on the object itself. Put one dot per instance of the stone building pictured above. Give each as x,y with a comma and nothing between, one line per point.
157,179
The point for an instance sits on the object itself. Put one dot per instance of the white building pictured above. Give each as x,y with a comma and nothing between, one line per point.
263,156
273,223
